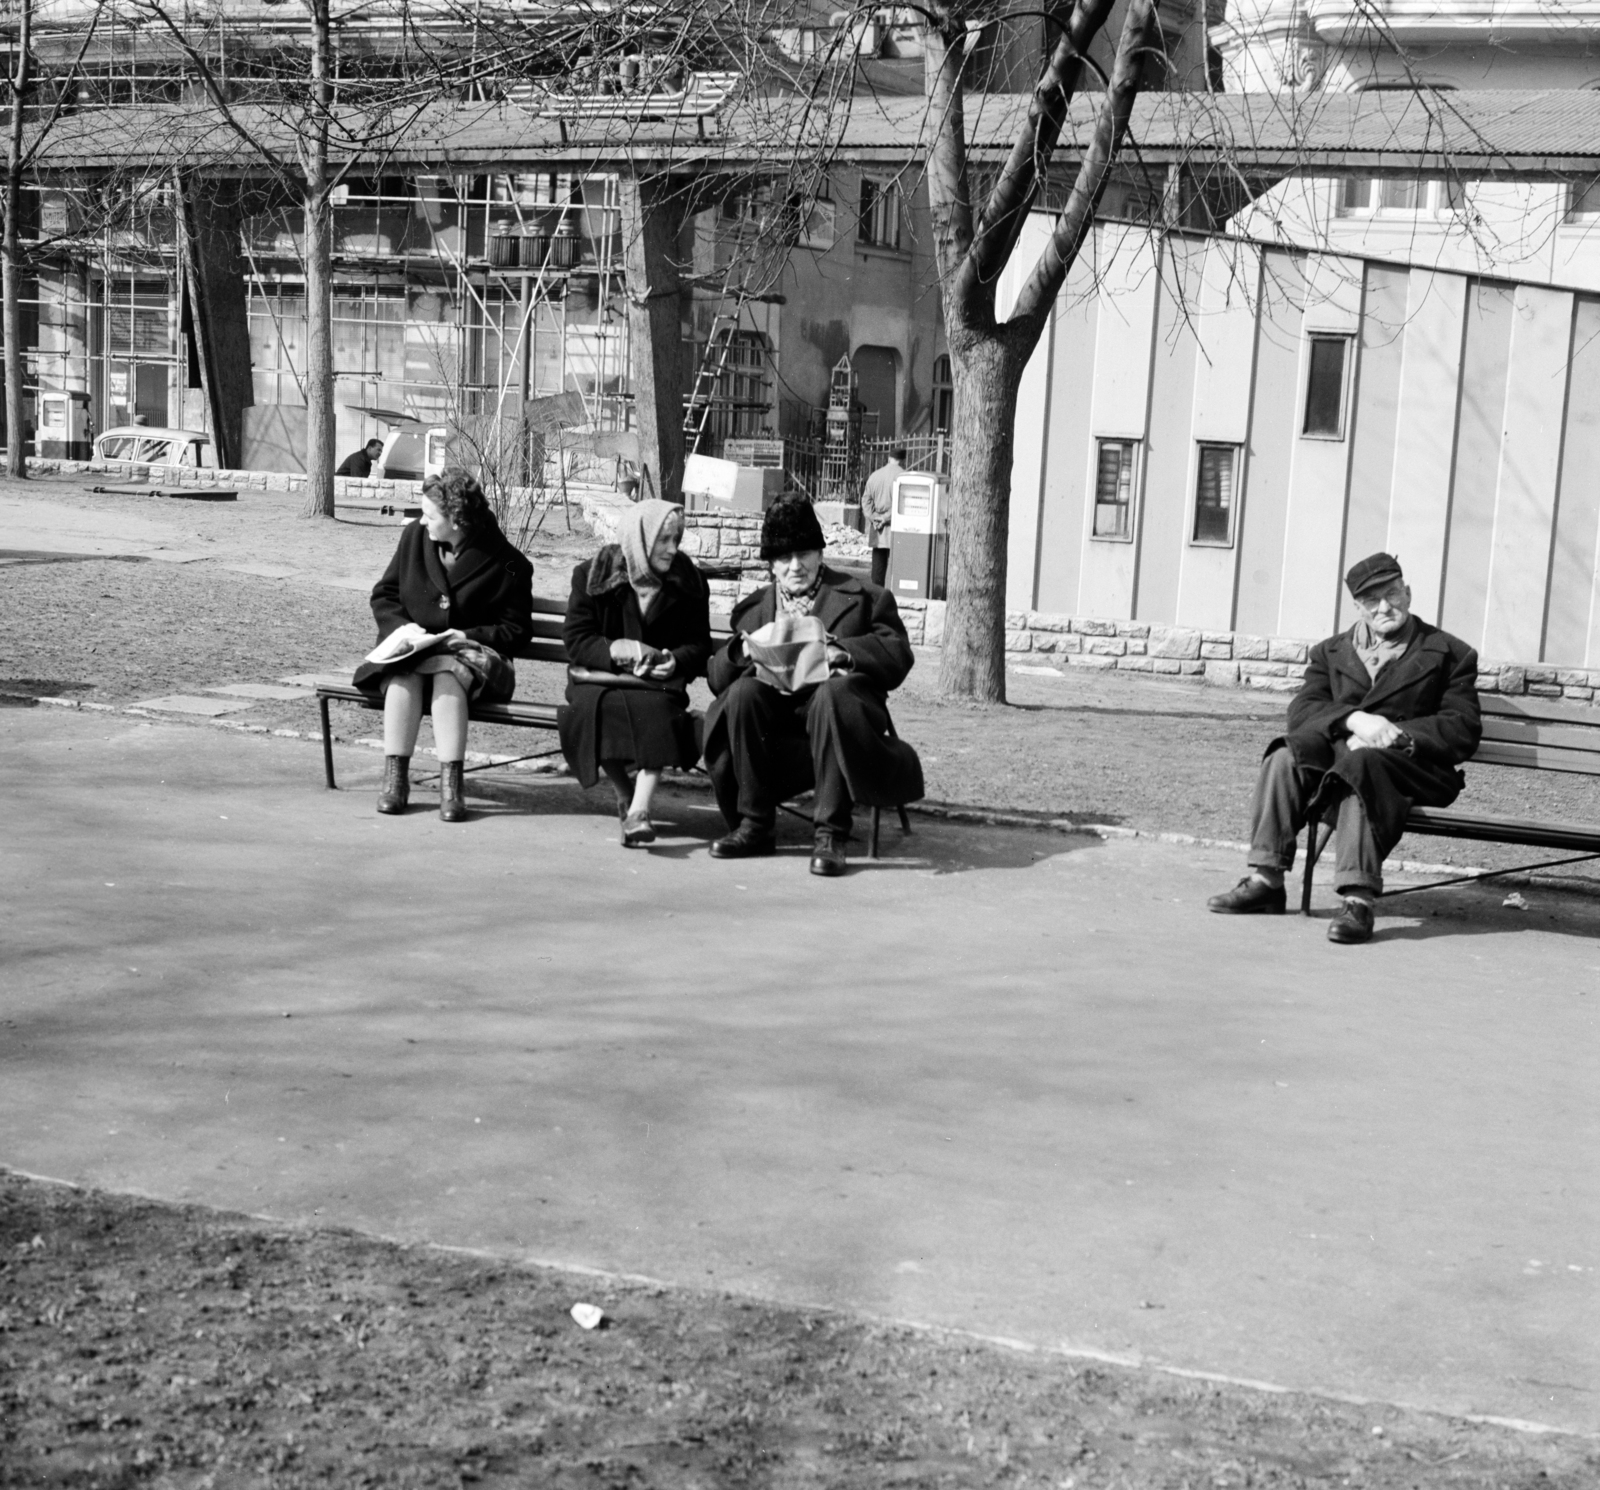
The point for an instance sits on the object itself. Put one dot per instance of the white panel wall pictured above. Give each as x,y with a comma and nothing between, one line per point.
1530,463
1120,407
1029,453
1225,325
1320,468
1425,432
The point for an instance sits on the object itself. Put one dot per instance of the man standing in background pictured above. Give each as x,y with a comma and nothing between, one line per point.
877,503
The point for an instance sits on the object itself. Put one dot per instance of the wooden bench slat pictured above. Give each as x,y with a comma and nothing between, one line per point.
1538,732
1537,758
1530,706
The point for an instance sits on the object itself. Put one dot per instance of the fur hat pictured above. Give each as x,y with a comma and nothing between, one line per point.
790,527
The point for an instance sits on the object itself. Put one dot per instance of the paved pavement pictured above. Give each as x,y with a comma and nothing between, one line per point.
1005,1081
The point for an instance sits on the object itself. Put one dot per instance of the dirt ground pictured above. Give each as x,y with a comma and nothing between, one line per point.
1152,754
155,1345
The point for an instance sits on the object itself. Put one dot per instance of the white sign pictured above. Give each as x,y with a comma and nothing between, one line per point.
706,476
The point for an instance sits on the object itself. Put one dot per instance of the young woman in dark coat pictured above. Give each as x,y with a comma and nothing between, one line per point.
638,631
464,593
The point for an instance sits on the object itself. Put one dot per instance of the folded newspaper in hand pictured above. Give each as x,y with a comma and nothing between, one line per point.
406,641
790,653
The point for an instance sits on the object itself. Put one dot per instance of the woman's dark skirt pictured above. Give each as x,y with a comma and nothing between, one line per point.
643,727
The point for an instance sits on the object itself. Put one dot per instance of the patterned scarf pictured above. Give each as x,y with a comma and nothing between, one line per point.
799,605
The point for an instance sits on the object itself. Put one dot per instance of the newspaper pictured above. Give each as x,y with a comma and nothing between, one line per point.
790,653
406,641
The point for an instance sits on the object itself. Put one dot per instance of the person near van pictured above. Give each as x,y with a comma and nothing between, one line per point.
457,601
877,506
359,463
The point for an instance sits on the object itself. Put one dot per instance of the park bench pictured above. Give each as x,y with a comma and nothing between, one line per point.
545,645
1535,734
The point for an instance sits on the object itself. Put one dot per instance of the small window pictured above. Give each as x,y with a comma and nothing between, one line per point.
1214,494
1355,195
879,225
1396,194
1584,199
1325,388
944,396
1113,490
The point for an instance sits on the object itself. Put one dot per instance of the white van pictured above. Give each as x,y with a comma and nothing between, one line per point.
413,452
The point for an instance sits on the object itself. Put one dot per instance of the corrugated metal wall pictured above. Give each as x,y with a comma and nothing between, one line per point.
1468,443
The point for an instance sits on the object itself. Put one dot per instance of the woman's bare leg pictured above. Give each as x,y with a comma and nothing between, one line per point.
402,714
449,718
644,788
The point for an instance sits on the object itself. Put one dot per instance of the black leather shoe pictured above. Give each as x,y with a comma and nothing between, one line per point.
1250,897
827,853
748,841
1353,923
452,804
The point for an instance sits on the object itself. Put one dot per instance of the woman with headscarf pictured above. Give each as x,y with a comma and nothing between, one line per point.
638,632
453,607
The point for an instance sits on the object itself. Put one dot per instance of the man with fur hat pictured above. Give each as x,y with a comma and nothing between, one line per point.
763,746
1388,711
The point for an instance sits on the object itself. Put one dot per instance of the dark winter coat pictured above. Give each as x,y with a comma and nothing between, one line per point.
863,619
487,595
603,608
1429,691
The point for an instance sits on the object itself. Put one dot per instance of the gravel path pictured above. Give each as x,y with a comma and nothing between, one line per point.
1156,755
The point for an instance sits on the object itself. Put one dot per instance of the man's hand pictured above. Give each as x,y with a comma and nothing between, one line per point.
1372,731
839,660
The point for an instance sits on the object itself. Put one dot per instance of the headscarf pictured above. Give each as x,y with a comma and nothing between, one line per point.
637,531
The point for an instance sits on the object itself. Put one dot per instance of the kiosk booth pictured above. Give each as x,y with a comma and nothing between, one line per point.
919,544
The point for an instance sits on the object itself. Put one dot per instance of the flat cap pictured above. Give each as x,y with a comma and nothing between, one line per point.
1374,570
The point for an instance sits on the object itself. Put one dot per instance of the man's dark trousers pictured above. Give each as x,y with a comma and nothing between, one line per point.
880,566
781,743
1283,792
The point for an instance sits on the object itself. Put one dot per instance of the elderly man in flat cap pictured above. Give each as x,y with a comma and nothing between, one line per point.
1388,711
764,746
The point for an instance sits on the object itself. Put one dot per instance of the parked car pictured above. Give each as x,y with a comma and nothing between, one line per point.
413,452
146,445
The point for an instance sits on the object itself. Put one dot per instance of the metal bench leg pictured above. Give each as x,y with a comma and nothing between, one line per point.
872,841
327,745
1317,835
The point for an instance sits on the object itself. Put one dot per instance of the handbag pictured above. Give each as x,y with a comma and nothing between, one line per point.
576,674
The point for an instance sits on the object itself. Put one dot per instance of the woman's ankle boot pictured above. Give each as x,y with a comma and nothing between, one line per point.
396,784
452,804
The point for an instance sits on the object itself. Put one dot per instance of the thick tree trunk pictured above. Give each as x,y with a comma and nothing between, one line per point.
988,374
651,216
321,457
320,454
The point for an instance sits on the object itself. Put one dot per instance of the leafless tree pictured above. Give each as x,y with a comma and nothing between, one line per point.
28,131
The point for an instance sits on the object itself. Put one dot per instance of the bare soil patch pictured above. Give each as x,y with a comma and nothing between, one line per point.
145,1344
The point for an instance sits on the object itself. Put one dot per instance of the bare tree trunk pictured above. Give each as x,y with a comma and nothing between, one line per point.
321,457
21,84
988,375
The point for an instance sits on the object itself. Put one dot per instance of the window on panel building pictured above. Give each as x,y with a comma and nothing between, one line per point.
1113,488
1216,491
1325,387
879,223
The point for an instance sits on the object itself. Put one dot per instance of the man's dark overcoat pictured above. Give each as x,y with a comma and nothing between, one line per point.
488,595
603,608
862,618
1430,691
